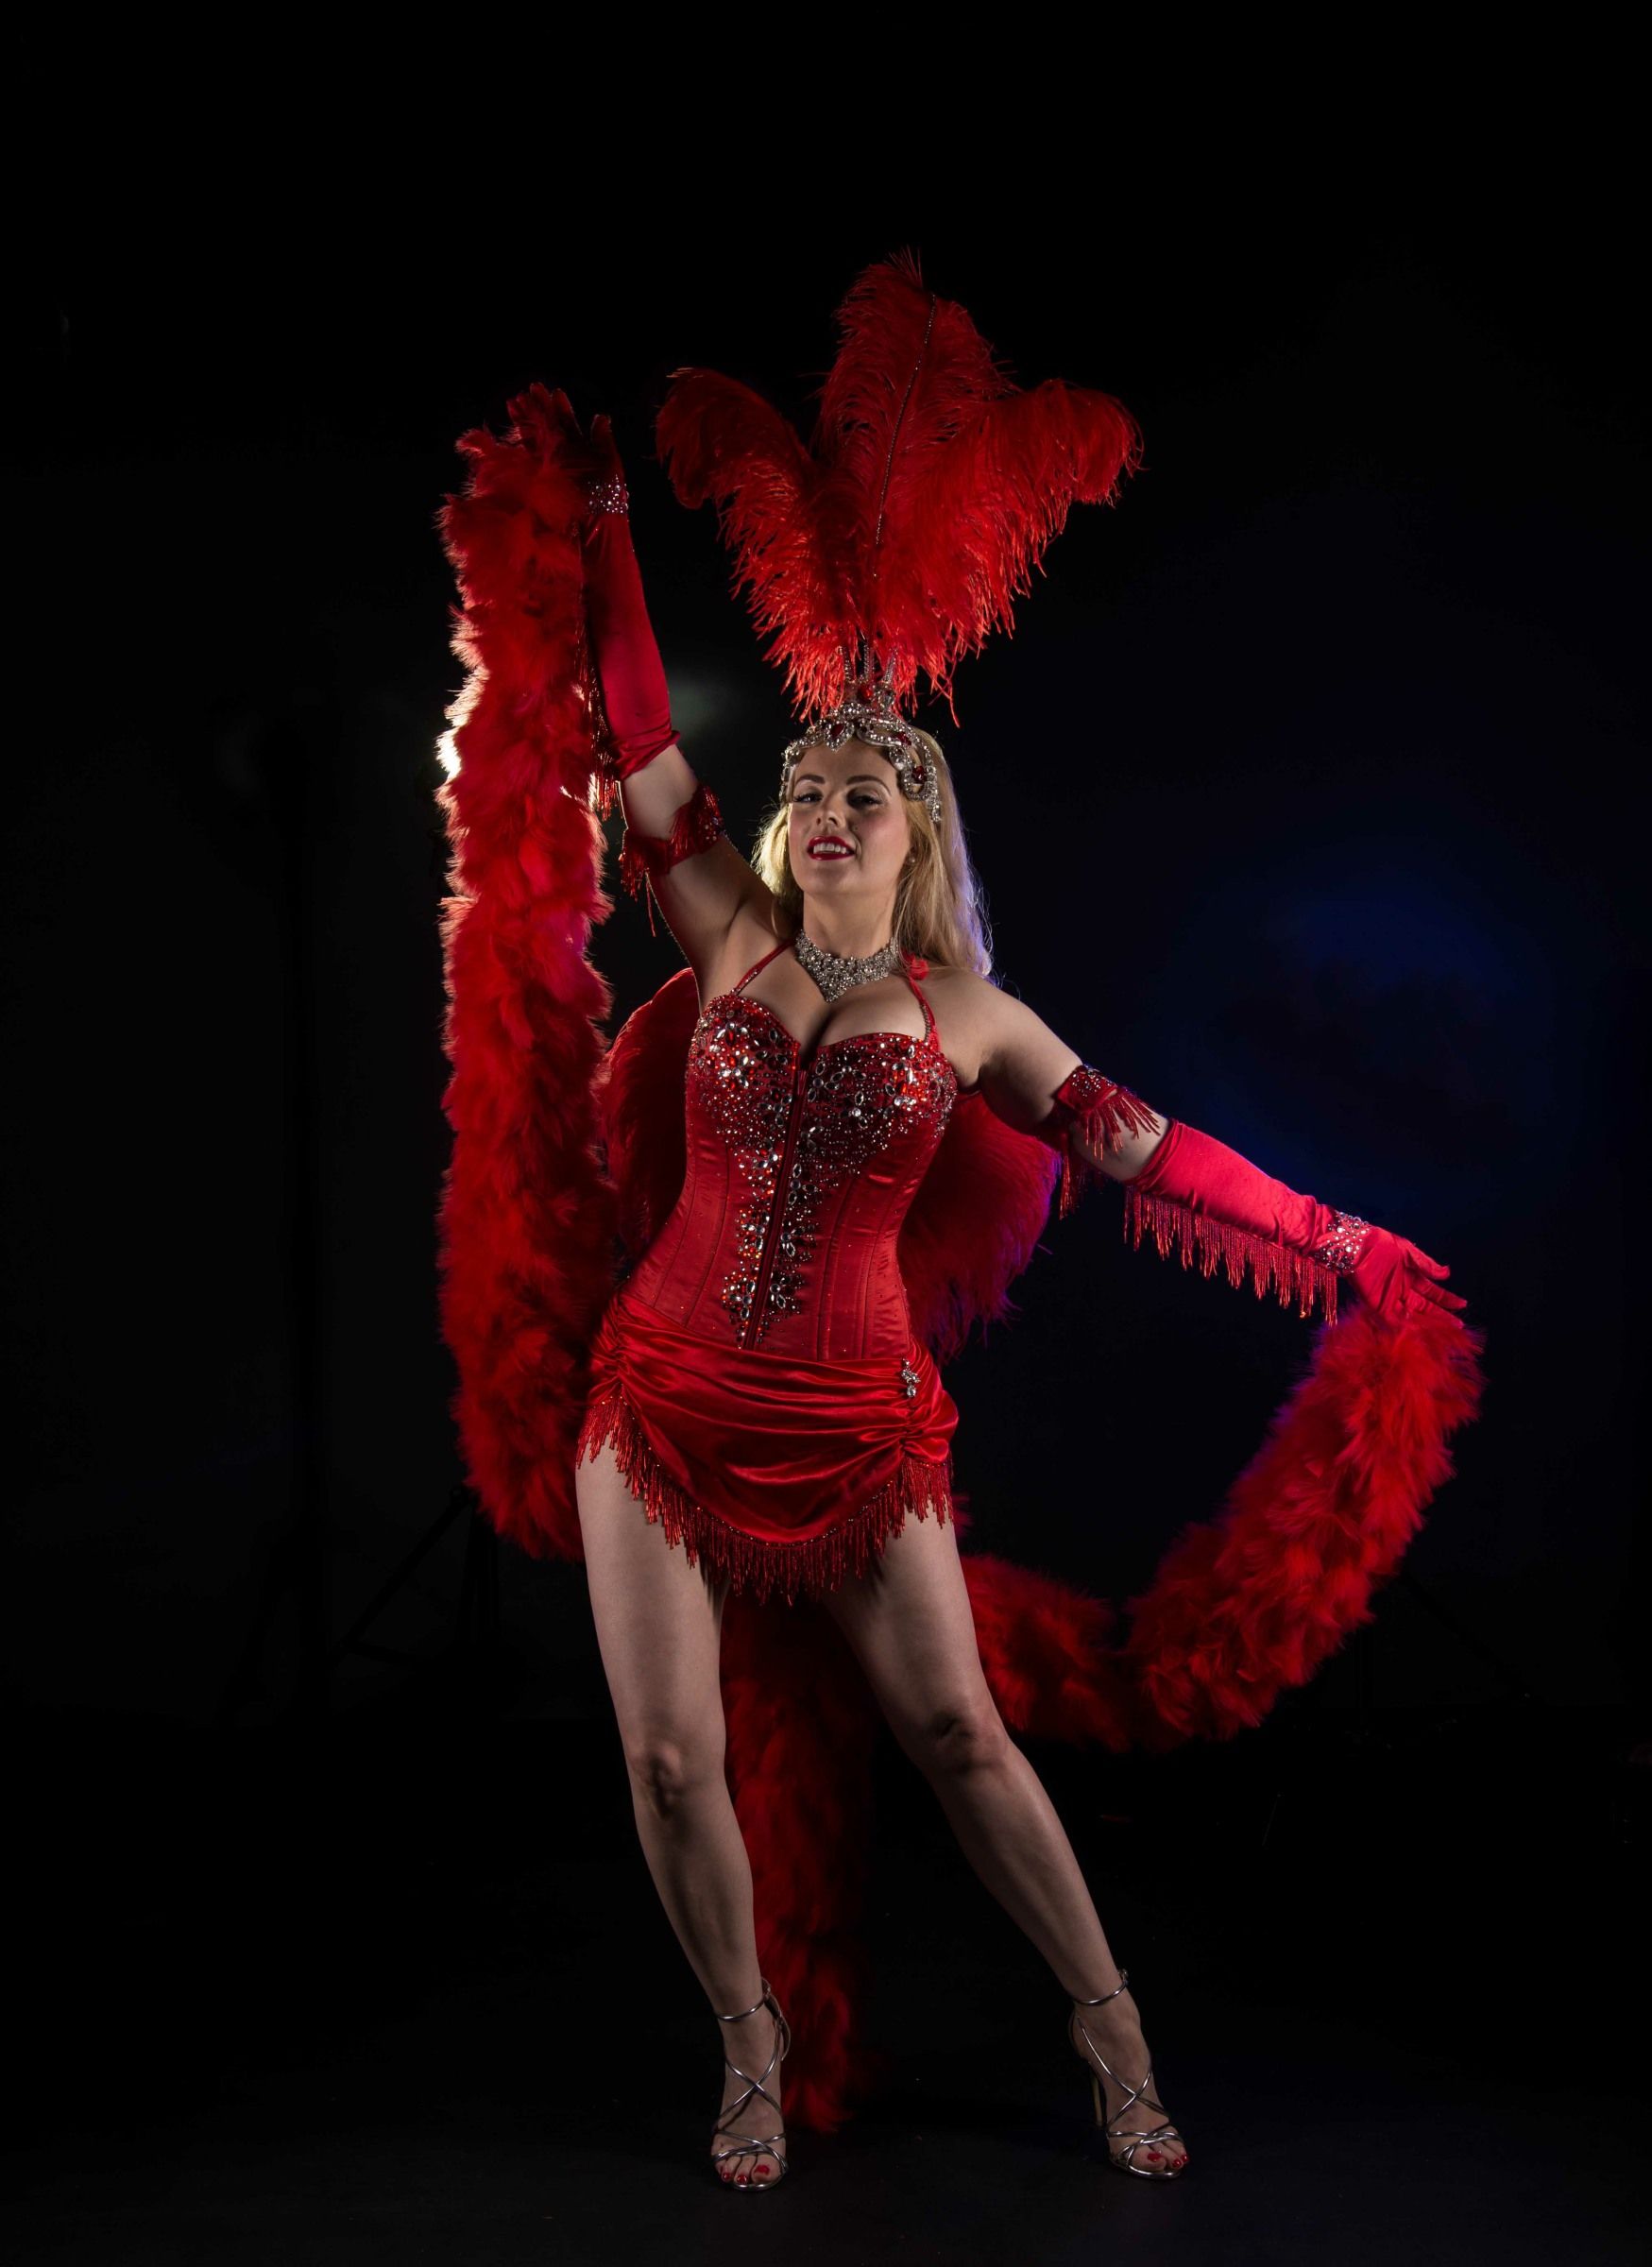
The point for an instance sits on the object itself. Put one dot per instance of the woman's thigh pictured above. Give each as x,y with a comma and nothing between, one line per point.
659,1621
909,1622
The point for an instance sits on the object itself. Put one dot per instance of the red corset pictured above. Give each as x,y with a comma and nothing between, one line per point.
800,1170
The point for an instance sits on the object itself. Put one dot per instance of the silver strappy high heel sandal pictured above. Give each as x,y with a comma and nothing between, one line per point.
772,2144
1140,2135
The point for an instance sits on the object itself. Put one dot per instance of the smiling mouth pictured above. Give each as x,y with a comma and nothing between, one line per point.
829,850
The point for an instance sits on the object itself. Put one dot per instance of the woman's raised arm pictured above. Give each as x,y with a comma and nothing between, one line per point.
674,839
675,848
1183,1186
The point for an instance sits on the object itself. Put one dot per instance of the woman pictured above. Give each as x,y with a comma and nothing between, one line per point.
755,1384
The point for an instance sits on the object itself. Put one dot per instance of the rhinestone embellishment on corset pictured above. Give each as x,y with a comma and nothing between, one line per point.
860,1094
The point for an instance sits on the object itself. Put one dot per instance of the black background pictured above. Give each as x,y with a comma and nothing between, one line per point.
1308,796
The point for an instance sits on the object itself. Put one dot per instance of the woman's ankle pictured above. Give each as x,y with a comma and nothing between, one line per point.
752,2004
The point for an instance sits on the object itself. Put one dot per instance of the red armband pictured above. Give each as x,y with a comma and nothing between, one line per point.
1093,1111
643,858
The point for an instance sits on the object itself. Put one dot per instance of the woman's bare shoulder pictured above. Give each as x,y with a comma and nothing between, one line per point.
962,989
982,999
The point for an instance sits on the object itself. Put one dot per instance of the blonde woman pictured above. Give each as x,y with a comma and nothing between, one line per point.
762,1413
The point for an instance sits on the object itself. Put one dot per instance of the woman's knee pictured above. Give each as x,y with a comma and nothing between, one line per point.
672,1768
958,1736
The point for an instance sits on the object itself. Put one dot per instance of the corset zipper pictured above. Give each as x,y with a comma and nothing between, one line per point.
777,1211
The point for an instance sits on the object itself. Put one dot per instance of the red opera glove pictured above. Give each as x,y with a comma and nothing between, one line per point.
1220,1208
632,678
1223,1209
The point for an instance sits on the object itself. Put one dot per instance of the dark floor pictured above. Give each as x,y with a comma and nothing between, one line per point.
403,1993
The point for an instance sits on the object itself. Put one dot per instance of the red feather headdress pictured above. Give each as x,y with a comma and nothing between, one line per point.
931,489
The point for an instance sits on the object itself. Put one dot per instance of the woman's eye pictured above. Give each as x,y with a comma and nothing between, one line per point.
807,797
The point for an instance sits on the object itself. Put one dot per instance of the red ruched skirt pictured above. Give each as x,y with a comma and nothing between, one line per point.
785,1475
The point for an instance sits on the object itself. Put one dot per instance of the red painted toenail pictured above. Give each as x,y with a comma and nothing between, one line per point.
762,2171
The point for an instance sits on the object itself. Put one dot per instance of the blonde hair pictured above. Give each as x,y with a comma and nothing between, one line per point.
940,907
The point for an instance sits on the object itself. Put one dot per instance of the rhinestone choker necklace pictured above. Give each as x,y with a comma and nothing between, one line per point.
836,973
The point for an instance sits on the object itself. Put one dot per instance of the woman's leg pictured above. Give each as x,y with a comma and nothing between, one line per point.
659,1625
910,1623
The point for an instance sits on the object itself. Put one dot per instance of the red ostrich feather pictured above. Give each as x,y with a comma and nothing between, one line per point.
931,489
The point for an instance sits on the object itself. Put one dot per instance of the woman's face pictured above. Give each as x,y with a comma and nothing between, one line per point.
848,796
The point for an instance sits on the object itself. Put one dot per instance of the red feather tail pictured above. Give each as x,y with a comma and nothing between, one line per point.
802,1726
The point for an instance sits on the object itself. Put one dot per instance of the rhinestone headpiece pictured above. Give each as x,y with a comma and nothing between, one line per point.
865,710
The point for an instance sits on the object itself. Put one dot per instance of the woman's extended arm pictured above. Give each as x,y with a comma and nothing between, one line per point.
1035,1083
674,841
1182,1184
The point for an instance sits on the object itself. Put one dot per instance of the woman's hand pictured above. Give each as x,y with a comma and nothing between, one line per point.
1398,1280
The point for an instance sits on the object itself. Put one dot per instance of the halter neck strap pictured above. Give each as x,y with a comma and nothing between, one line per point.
783,947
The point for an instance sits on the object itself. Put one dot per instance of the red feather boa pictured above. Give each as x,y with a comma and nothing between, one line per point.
1241,1609
526,1219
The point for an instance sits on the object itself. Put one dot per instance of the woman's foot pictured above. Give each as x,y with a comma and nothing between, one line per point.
748,2044
1114,2028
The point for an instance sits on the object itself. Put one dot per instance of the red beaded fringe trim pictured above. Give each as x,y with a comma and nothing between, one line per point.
696,826
1103,1112
1293,1274
605,794
821,1562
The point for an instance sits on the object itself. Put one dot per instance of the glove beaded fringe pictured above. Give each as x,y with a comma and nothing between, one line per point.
1293,1275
